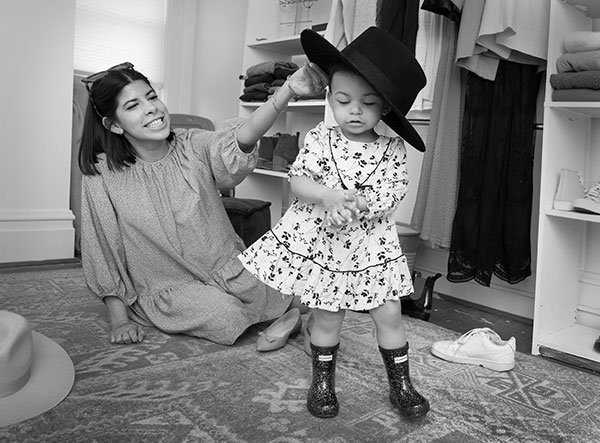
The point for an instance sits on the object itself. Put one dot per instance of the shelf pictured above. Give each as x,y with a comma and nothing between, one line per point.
313,106
576,340
270,173
572,215
590,109
287,45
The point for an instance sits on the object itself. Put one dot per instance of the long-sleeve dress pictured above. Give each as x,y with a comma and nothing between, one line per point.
358,266
157,236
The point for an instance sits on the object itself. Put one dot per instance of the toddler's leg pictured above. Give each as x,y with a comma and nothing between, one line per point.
325,337
326,328
389,325
394,350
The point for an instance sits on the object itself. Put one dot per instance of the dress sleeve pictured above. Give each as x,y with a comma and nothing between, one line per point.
103,255
391,185
309,161
221,152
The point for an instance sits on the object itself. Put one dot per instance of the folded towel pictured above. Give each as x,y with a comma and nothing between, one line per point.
578,61
255,96
576,95
258,78
278,69
576,80
257,87
581,41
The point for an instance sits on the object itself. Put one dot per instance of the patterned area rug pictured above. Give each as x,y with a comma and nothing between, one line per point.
182,389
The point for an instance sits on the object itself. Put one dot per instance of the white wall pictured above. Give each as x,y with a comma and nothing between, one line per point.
204,56
220,38
36,49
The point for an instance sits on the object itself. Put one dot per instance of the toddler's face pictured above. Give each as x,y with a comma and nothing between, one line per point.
356,106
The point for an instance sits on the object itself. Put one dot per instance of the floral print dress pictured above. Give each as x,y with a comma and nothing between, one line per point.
358,266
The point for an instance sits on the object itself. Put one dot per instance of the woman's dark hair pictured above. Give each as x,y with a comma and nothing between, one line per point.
96,139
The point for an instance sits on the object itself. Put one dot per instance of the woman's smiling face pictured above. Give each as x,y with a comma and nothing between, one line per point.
141,115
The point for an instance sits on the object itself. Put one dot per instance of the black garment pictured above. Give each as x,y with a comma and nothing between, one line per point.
447,8
491,230
401,19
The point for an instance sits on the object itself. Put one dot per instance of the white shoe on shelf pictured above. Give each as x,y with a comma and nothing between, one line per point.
590,202
480,346
570,187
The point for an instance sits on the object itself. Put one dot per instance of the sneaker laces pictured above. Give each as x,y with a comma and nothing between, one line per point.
477,331
594,193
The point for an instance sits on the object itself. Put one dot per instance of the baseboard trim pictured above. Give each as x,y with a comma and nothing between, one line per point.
570,360
40,265
515,317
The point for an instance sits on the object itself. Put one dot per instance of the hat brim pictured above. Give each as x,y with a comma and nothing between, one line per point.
320,51
51,379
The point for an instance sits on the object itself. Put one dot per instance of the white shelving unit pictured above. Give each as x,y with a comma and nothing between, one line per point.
264,44
567,295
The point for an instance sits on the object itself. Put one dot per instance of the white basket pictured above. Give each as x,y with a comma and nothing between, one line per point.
409,242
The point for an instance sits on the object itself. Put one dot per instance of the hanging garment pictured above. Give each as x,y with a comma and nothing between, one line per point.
428,50
446,8
494,30
348,19
491,230
401,19
340,26
435,203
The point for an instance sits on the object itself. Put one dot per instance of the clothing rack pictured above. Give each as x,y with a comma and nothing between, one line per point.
425,122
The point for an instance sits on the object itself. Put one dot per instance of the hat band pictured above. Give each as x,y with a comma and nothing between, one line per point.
11,387
381,82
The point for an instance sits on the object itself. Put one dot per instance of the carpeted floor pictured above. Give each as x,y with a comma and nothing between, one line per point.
181,389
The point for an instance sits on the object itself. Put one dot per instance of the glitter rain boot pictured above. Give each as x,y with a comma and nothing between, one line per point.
402,393
322,401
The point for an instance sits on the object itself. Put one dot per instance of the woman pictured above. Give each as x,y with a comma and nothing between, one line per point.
157,245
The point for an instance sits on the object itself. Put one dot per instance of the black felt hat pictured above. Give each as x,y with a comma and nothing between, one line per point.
385,63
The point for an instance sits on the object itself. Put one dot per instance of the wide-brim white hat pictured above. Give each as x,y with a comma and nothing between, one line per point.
51,378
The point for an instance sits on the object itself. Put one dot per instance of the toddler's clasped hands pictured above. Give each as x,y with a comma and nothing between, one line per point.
341,208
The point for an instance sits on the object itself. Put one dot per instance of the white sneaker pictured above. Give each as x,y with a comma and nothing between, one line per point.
590,202
570,187
480,346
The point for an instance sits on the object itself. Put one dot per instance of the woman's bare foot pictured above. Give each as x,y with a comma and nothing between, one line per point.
127,333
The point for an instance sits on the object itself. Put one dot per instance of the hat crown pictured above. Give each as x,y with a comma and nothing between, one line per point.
16,352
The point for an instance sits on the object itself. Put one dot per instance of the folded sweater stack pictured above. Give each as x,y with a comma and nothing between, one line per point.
263,79
578,70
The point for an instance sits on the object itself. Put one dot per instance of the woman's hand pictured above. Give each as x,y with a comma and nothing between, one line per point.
308,81
127,333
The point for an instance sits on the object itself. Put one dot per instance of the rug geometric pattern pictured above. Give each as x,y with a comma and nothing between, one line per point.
173,388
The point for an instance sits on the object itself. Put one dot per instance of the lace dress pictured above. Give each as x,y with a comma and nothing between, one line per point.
358,266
